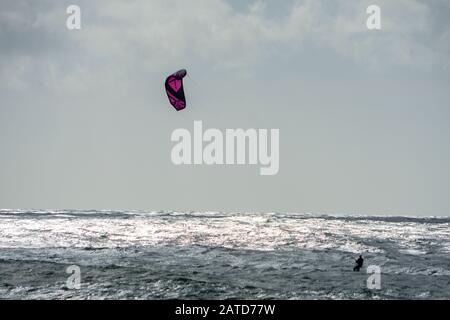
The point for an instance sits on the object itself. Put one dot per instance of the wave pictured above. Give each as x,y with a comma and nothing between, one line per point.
67,213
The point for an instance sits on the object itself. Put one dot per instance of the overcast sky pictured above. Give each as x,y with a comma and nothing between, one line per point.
364,116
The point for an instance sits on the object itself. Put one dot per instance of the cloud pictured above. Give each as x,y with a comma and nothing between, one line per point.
122,36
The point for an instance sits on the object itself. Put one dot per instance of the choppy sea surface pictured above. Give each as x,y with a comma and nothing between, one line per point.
212,255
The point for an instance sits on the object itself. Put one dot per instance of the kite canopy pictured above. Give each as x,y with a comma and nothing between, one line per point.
175,90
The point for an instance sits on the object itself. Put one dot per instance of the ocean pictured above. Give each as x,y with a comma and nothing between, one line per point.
213,255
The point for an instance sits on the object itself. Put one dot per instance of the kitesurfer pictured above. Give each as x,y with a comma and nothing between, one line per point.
359,263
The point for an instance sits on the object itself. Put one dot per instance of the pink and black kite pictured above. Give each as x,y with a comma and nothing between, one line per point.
175,90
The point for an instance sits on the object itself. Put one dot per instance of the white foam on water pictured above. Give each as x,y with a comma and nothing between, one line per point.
313,254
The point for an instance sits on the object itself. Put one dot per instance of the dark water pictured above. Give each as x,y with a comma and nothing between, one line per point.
160,255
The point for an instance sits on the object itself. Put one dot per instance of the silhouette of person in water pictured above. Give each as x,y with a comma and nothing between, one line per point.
359,263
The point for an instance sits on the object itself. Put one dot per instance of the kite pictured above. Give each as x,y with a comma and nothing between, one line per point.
175,90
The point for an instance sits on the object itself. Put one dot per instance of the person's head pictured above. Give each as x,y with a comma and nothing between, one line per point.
360,256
